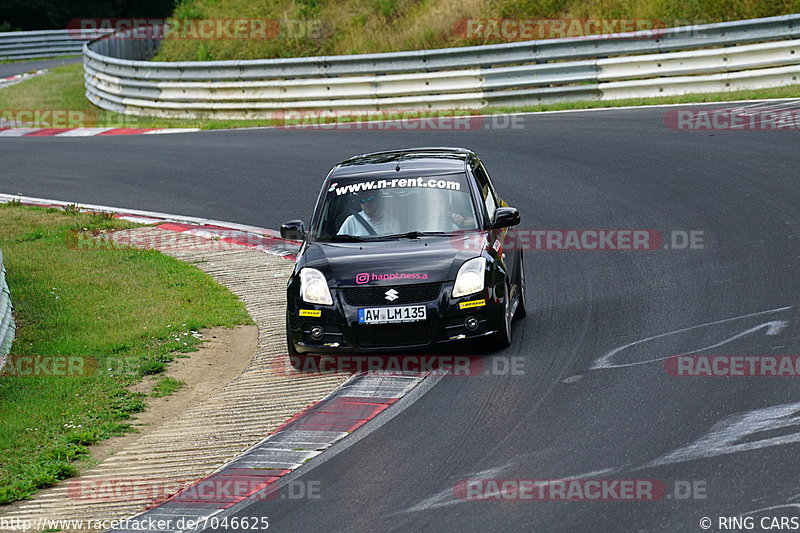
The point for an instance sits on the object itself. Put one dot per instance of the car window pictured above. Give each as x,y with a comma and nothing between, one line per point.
377,207
487,195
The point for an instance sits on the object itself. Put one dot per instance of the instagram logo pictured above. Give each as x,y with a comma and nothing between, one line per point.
362,277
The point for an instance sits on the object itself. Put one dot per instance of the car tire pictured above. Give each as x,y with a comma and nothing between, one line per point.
300,361
522,308
504,335
290,345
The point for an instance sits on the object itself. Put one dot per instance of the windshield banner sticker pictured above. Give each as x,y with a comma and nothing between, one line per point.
429,182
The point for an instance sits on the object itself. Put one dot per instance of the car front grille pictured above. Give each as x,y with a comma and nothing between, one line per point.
406,294
387,335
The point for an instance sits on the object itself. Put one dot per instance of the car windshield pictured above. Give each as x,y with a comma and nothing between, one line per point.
356,208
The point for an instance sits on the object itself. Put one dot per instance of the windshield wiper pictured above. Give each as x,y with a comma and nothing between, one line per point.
407,235
345,238
413,234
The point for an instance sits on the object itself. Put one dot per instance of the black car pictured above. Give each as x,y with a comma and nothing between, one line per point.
404,251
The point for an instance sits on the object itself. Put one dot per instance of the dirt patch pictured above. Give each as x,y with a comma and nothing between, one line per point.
224,355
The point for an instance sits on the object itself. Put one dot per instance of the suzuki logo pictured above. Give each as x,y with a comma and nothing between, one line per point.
391,295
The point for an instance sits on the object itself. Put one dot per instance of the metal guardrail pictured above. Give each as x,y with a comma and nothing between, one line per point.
7,326
47,43
655,63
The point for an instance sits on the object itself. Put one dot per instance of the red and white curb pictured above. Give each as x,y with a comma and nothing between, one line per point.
260,472
88,132
226,232
257,474
16,78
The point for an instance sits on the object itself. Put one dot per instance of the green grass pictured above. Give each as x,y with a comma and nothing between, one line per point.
32,59
63,89
332,27
124,313
165,386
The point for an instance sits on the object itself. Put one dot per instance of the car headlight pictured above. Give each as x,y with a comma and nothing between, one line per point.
314,287
470,277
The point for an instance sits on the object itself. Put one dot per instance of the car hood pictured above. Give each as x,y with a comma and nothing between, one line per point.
392,262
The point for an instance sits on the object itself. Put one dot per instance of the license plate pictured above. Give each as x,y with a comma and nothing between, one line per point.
389,315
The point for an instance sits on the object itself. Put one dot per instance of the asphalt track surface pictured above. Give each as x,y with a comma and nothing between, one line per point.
574,412
20,67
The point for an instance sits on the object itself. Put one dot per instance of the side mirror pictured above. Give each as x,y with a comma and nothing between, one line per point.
293,230
505,217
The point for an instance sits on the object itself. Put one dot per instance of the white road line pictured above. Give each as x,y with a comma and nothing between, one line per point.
4,197
171,130
140,220
82,132
447,497
739,433
795,506
760,106
773,328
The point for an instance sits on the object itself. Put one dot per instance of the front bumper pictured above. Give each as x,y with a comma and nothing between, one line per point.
445,323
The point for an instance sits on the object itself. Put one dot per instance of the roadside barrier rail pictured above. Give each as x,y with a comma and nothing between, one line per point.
727,56
16,45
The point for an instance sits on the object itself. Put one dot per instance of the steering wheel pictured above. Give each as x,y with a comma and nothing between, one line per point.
439,222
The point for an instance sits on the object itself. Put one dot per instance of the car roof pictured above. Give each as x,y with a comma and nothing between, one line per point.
417,161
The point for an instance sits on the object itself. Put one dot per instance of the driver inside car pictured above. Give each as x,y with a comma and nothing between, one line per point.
371,220
456,208
461,221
